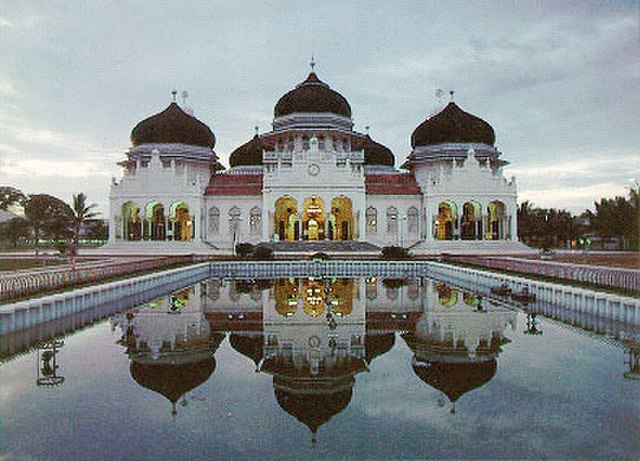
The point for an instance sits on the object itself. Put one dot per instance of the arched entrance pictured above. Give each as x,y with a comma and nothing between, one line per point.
497,221
286,296
286,219
155,221
445,221
131,221
313,218
471,221
313,297
181,222
341,219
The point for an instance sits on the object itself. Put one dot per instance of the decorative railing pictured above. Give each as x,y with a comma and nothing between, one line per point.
14,285
611,277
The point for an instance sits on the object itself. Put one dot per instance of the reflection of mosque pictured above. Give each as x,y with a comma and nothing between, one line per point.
313,336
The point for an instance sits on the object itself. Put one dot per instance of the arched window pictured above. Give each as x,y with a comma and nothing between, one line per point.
372,220
254,220
214,221
335,144
280,145
471,221
305,142
290,144
322,143
446,221
234,220
412,220
392,220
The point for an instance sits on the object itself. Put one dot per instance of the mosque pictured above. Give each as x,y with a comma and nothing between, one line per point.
312,181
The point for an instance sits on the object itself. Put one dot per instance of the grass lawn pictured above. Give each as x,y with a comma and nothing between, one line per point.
17,264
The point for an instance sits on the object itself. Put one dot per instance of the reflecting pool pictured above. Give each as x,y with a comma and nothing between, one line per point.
301,368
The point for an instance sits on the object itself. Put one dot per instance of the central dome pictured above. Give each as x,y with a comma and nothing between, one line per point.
173,125
312,95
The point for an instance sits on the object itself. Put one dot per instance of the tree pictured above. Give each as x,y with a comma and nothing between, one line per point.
14,230
49,215
81,213
10,196
96,229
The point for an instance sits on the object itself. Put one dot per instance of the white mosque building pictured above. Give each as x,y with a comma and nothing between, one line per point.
312,181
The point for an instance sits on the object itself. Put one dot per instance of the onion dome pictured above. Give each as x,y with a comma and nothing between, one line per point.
377,154
173,126
313,409
456,379
248,154
453,125
312,95
173,380
250,346
378,344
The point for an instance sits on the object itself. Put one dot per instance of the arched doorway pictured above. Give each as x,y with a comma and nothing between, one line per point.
286,218
181,221
471,221
445,221
313,297
342,297
286,296
341,219
155,221
131,222
496,212
313,218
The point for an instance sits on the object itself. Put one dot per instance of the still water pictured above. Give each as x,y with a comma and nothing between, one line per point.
318,368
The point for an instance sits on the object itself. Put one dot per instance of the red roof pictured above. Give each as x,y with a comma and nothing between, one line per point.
235,184
391,184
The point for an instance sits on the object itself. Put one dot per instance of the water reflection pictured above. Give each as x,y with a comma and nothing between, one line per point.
314,336
170,344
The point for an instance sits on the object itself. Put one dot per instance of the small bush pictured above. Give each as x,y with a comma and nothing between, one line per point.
262,253
395,283
395,252
244,250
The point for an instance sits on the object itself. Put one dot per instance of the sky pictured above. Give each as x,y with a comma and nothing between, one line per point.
557,80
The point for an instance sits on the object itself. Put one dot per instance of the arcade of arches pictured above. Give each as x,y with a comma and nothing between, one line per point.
471,223
151,222
314,222
312,294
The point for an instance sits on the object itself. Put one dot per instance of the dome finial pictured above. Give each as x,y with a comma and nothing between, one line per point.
367,129
312,63
451,94
257,129
174,93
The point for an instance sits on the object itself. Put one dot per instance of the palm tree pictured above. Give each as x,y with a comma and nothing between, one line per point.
82,212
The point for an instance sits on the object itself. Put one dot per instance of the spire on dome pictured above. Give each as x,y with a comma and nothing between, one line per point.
174,93
312,63
451,93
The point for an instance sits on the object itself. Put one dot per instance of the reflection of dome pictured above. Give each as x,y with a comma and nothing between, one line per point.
248,154
173,125
313,409
173,380
452,125
312,398
248,345
312,95
448,367
456,379
378,344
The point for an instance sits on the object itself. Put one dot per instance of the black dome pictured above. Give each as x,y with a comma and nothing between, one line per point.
314,409
250,153
172,380
453,125
376,153
456,379
312,95
173,125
